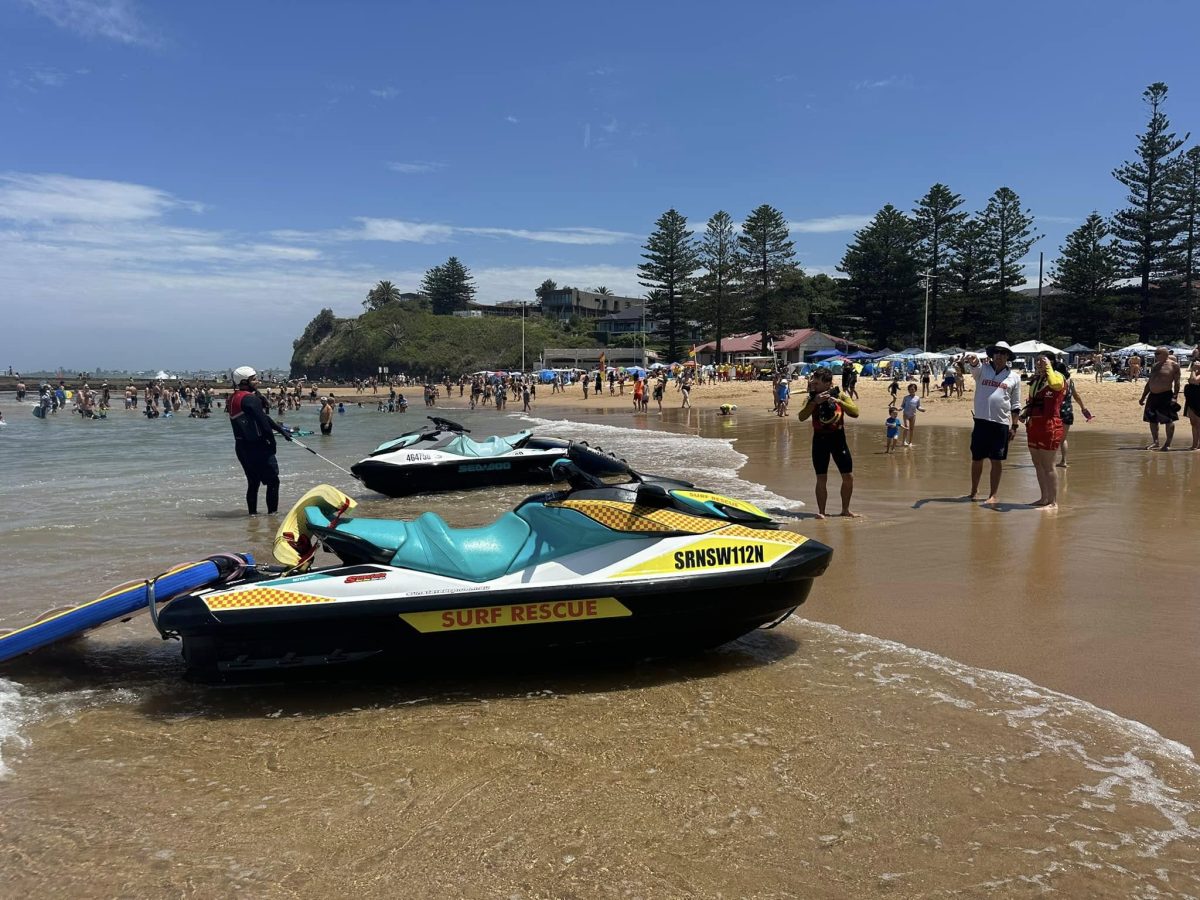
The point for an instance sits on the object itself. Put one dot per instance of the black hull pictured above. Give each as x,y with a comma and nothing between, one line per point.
666,618
403,481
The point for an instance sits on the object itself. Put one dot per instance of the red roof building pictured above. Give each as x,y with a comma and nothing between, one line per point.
788,347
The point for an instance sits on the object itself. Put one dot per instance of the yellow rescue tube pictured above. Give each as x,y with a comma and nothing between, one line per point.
324,497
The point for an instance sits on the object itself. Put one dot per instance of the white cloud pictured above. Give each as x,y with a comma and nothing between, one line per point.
415,167
36,78
397,231
829,224
400,231
513,119
64,198
385,93
586,236
115,20
874,84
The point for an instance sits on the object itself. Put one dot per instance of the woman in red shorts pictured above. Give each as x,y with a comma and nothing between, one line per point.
1043,424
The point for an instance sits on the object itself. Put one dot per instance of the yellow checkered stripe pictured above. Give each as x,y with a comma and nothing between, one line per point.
257,598
623,517
783,537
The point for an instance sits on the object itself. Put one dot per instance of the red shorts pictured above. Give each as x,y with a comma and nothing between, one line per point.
1044,433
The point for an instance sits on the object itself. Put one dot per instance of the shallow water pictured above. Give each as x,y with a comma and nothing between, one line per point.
806,761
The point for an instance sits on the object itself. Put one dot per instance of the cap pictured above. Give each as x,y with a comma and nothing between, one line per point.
1000,345
243,373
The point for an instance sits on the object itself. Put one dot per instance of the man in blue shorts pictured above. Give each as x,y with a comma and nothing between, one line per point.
997,403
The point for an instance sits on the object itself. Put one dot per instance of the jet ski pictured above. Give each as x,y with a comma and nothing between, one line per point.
651,565
441,457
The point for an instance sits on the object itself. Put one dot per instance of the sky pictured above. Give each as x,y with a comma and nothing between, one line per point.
185,185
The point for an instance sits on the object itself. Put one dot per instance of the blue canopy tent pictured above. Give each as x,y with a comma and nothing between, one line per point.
860,355
546,376
636,370
826,353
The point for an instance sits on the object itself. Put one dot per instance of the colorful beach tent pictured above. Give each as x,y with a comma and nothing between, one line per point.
826,353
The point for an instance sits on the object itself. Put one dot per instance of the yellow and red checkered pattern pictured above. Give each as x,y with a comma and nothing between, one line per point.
622,517
257,598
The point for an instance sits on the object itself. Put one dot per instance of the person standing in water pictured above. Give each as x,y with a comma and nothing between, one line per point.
254,440
827,407
1044,428
1160,396
997,405
327,417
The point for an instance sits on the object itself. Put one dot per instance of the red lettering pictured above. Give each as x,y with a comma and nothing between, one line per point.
495,614
575,609
517,613
560,610
481,617
544,611
447,620
464,617
591,608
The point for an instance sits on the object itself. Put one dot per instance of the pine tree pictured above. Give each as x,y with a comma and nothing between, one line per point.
449,286
718,286
1088,268
936,219
668,270
1185,189
1148,228
1008,237
767,255
882,266
968,276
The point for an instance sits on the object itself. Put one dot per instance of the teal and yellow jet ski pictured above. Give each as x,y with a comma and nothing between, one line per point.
652,564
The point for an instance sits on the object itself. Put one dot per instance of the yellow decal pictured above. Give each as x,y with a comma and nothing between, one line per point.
516,614
711,554
706,497
256,598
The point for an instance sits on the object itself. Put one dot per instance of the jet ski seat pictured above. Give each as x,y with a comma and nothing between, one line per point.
493,446
428,544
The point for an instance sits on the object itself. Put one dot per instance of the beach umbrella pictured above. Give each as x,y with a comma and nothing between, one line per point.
1029,348
636,370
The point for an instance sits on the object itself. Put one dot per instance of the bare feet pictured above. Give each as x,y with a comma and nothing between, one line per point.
1164,448
990,501
1153,446
972,497
1062,465
820,515
1039,503
850,515
1050,506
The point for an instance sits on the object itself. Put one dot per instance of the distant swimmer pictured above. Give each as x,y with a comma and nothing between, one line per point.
254,439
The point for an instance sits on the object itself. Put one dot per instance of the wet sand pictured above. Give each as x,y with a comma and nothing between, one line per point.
807,761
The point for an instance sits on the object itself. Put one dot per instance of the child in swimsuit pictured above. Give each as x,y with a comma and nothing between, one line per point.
893,425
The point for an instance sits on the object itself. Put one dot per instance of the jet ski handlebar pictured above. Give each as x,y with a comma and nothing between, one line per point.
448,425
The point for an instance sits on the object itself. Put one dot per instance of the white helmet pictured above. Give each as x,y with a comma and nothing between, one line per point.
243,373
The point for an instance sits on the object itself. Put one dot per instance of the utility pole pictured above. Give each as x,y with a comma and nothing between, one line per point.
522,337
925,341
1040,255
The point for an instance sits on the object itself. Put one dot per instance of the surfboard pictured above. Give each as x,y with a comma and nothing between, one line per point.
121,602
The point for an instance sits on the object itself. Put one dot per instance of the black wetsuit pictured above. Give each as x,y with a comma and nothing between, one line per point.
254,442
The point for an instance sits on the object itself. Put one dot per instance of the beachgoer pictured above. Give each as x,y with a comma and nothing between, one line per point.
1067,413
783,393
327,417
997,405
685,388
254,441
1191,400
926,377
827,407
892,424
1160,397
659,386
894,387
910,407
1044,431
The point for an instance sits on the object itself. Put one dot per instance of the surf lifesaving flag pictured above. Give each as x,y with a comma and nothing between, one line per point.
603,361
692,352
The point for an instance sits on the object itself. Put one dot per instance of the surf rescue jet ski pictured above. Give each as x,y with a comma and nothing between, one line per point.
442,458
651,565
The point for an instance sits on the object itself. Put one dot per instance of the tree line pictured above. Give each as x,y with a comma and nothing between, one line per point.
1132,273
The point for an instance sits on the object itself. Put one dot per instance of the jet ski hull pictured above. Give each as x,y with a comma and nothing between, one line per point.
417,473
593,617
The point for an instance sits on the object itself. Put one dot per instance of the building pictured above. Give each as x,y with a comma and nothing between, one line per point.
788,347
566,302
512,309
629,321
589,357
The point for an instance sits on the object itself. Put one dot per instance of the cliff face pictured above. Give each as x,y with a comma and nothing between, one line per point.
408,339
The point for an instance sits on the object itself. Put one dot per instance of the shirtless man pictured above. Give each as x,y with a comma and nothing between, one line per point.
1160,396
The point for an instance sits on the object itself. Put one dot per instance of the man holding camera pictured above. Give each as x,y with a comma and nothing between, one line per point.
997,405
828,407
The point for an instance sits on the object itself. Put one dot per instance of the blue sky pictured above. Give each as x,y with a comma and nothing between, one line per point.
186,185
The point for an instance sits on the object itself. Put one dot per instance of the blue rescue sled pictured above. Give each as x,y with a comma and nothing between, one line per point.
121,603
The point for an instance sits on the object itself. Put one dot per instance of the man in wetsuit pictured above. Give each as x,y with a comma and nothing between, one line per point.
828,407
253,439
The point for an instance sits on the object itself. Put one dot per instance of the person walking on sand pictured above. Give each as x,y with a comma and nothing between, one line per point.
1044,431
1160,397
827,407
910,407
1191,400
783,393
997,405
